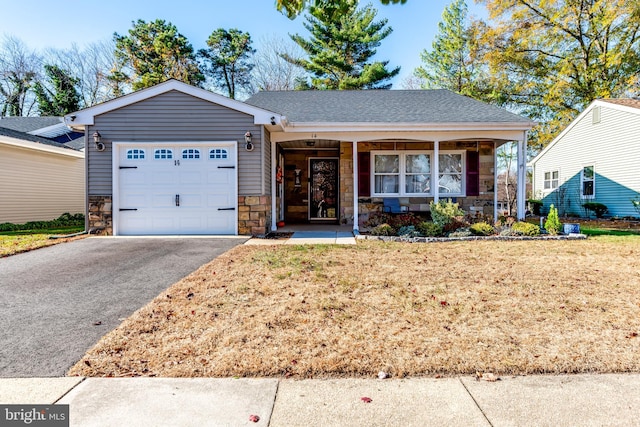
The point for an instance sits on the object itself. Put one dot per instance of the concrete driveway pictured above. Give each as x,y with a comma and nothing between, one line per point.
52,299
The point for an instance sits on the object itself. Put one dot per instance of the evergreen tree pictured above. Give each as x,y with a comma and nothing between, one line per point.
343,39
153,52
292,8
227,60
60,97
450,64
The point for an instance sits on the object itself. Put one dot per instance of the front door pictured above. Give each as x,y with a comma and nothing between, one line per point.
323,189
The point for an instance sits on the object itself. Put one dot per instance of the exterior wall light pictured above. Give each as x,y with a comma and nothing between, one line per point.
247,140
97,140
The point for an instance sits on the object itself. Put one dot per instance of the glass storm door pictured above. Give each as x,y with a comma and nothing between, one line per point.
323,188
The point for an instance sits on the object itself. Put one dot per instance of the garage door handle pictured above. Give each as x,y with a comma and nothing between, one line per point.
226,209
226,167
177,200
130,209
128,167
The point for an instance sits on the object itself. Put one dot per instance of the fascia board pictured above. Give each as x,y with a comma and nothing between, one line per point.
36,146
405,127
79,119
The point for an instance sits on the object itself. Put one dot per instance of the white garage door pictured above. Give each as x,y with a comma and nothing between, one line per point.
188,188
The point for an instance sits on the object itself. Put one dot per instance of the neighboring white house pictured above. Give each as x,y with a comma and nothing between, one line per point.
596,158
40,179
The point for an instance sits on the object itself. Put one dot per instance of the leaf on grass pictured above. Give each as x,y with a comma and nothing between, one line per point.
632,335
254,418
97,323
366,399
444,303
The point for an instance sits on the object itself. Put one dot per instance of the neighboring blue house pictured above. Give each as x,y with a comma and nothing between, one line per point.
596,158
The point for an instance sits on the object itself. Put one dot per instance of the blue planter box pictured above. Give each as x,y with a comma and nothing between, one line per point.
571,228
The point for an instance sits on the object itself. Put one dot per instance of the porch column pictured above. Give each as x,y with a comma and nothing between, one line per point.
355,188
274,187
435,173
495,181
522,175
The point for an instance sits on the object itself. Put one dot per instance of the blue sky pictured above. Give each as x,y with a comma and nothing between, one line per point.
48,23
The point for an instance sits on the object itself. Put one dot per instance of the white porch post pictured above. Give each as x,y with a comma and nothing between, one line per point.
355,187
522,175
274,187
495,181
435,173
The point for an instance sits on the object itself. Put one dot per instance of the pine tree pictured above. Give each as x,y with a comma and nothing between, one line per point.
154,52
227,60
342,42
450,63
61,97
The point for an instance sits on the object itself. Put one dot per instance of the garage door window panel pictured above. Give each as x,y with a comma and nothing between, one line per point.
190,153
135,154
218,153
163,153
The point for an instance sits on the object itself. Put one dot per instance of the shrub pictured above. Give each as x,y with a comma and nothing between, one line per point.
383,230
444,212
378,218
64,220
481,229
454,225
403,220
636,204
524,229
536,206
552,224
408,231
462,232
429,229
598,208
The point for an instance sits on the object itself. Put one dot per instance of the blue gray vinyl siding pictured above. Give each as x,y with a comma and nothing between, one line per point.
175,117
611,146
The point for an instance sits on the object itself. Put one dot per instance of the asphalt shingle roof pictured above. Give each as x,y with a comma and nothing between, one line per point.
381,106
29,124
28,137
627,102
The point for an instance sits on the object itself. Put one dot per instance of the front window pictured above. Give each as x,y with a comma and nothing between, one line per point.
551,180
386,171
588,182
450,173
409,173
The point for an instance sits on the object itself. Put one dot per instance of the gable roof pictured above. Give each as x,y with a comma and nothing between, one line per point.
84,117
621,104
437,106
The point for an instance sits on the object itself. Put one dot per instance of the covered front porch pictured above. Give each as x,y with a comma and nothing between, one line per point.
326,181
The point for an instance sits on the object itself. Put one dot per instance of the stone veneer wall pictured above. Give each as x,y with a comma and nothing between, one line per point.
100,215
254,215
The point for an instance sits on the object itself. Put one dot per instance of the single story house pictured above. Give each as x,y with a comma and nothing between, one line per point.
40,179
176,159
595,159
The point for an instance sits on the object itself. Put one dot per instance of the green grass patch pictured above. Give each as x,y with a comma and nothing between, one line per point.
608,232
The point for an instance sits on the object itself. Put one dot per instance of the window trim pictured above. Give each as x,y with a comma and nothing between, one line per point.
592,180
136,154
550,180
434,176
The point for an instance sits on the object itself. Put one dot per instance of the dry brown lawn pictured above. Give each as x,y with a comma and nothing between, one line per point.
514,307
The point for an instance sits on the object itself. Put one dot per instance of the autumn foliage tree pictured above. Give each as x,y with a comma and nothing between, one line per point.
550,59
153,52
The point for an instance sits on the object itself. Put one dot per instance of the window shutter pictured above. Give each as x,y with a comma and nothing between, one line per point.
473,173
364,174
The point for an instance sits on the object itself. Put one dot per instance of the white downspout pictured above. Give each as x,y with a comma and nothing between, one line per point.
436,173
274,186
355,188
495,181
522,175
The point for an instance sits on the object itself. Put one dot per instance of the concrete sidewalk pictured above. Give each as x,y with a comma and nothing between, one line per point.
572,400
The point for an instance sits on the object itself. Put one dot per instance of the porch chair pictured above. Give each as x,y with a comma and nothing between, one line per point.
392,205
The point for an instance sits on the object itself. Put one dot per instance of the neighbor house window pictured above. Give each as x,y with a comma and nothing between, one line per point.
410,173
190,153
551,180
588,182
135,154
